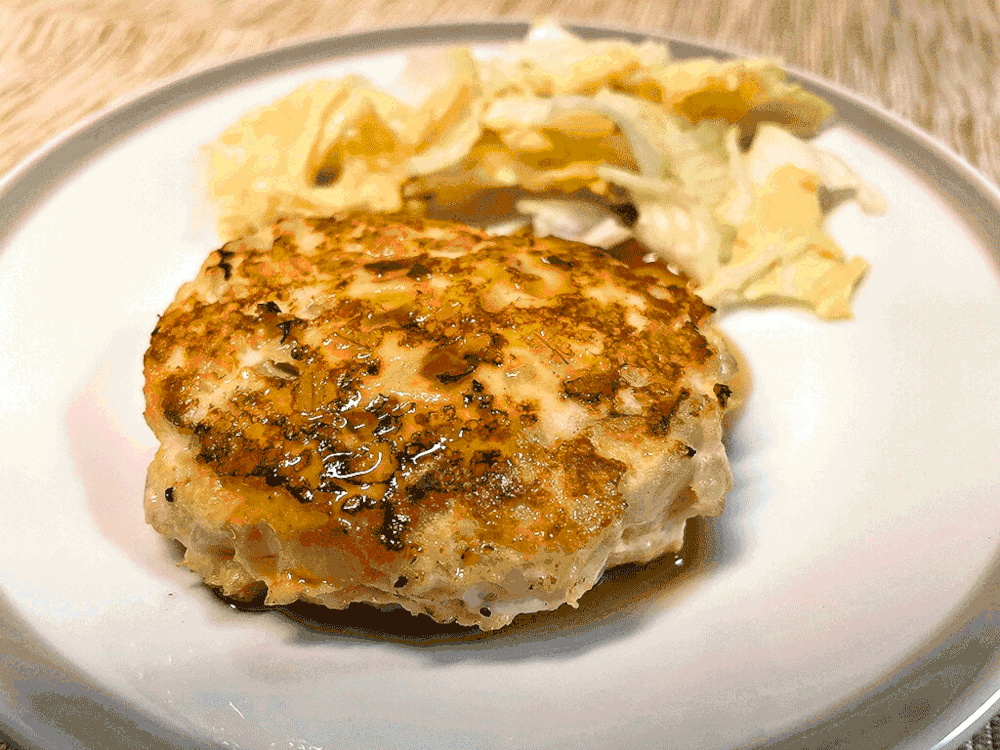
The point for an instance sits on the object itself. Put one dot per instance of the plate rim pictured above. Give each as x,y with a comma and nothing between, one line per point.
37,175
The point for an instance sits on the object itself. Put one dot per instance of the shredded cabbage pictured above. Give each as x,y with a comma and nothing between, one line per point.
525,132
743,92
579,221
774,147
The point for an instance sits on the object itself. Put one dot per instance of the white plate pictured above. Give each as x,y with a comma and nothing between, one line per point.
847,595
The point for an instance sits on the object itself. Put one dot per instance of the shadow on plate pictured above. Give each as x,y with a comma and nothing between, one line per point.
616,607
111,447
112,463
624,600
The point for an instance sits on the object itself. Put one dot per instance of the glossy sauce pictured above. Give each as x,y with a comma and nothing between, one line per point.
332,379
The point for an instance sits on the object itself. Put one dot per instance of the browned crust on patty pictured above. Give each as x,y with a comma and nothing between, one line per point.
343,378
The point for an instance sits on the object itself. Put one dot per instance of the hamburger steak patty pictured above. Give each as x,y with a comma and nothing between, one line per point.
393,410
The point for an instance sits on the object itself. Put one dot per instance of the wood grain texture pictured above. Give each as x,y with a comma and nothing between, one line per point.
934,63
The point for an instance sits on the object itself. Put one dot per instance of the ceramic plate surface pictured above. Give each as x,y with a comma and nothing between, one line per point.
848,593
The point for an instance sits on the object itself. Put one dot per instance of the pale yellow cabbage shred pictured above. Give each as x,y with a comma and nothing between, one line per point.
781,252
555,115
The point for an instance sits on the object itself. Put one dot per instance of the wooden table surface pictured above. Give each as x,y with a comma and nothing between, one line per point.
934,63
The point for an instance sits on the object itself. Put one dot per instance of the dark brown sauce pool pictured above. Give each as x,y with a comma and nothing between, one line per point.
624,591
